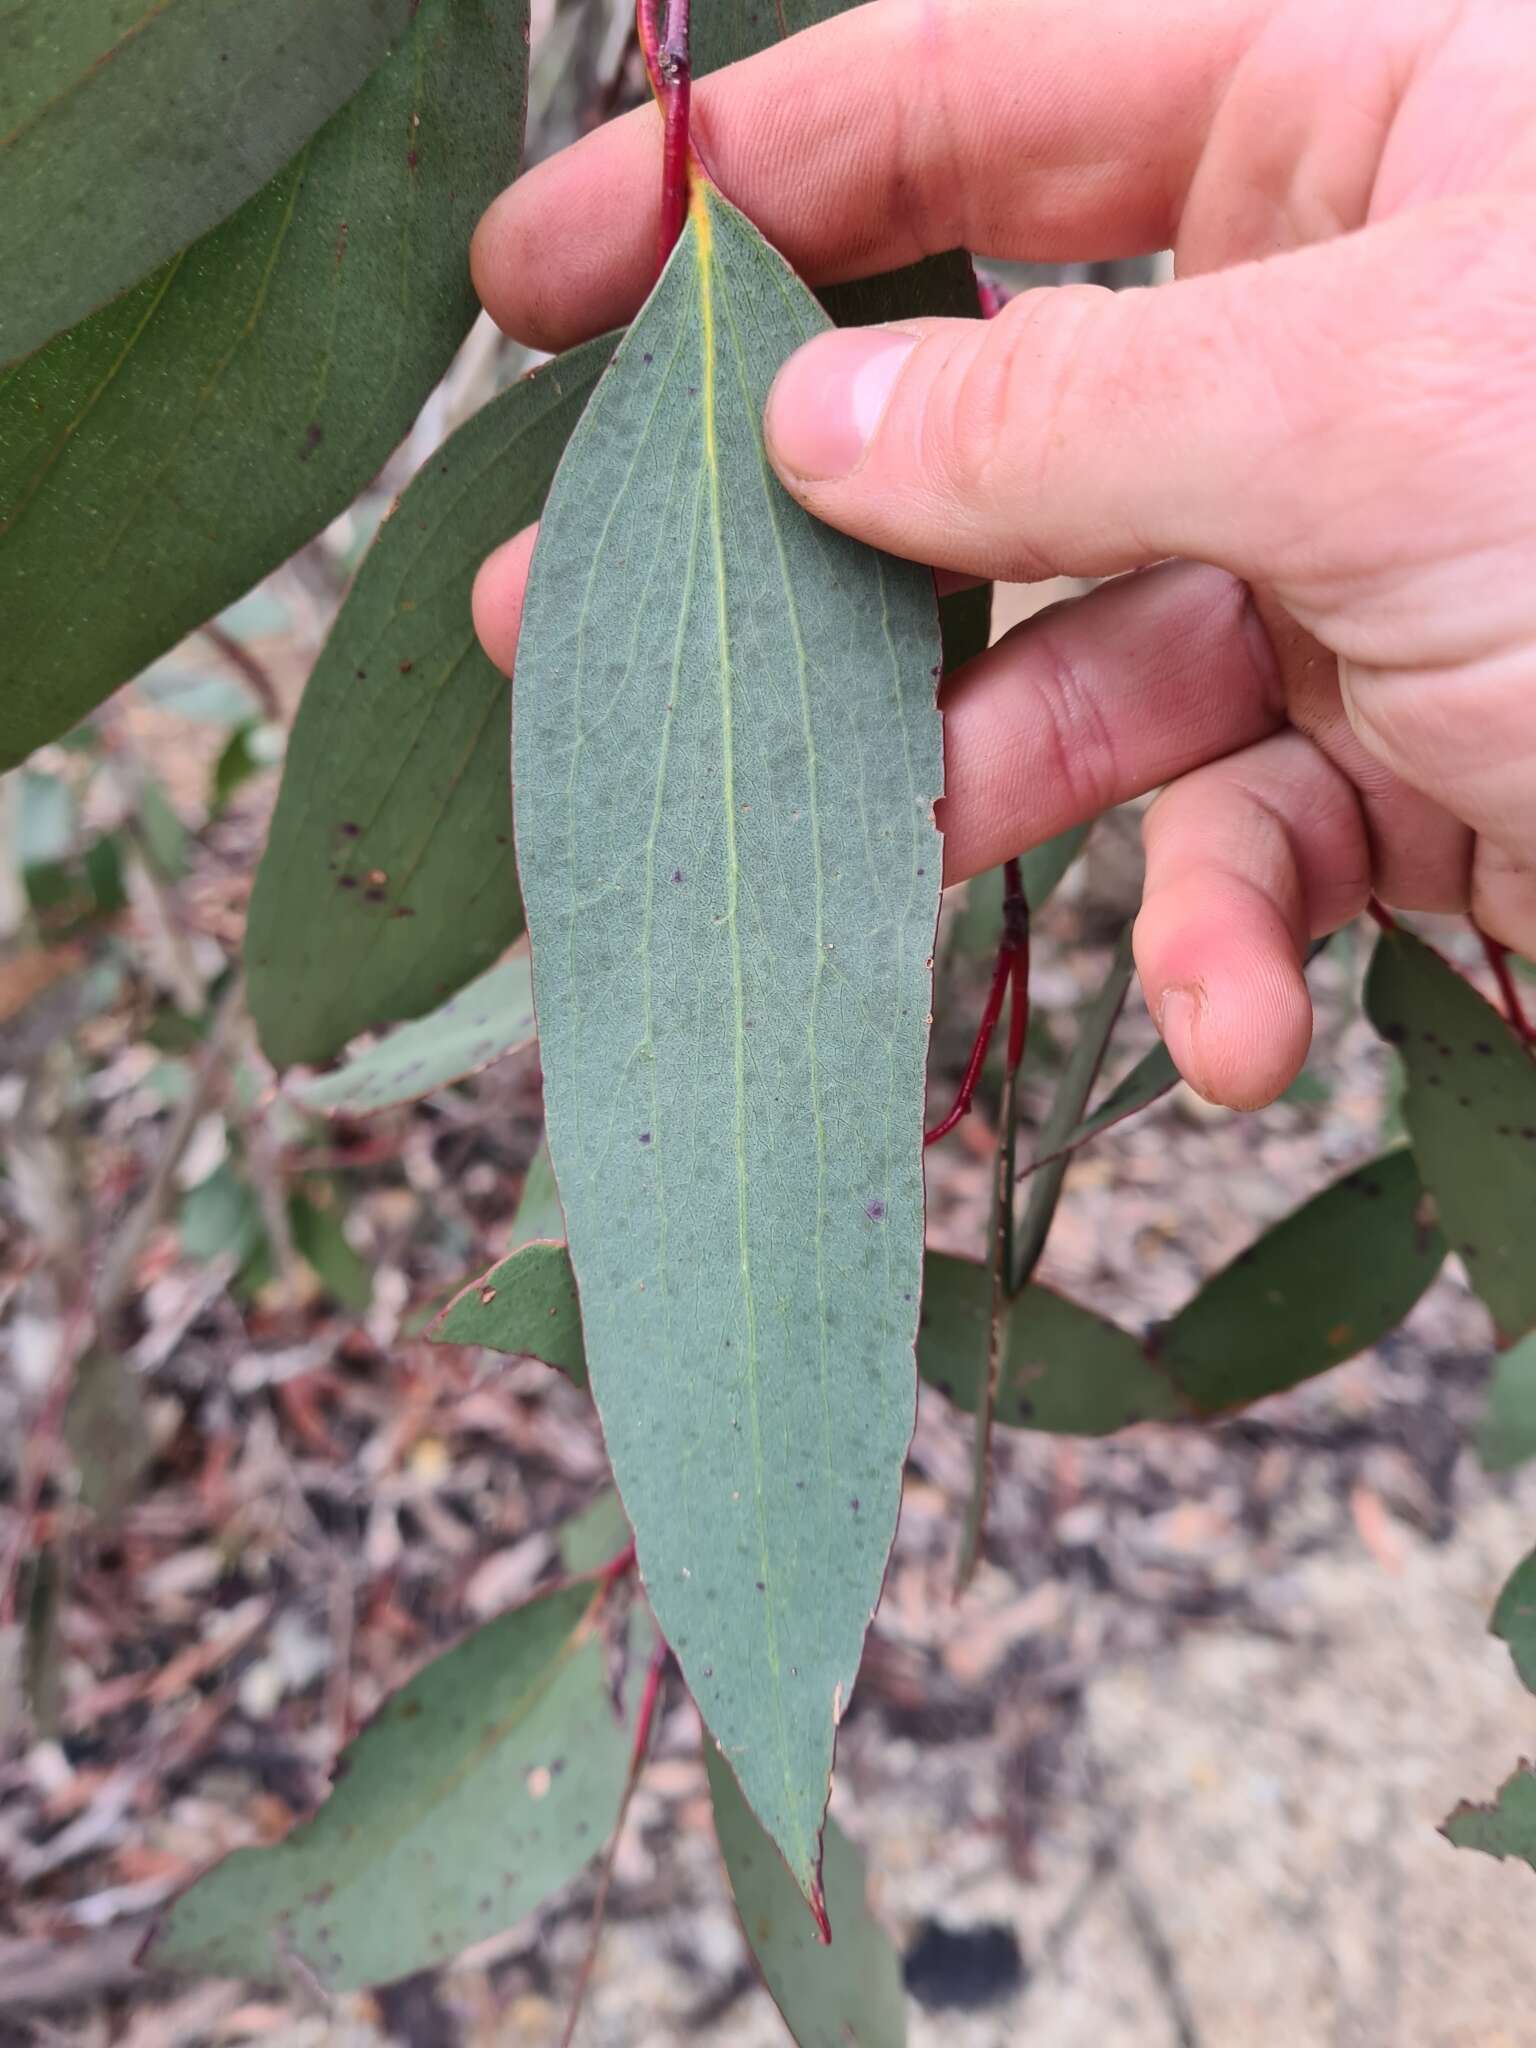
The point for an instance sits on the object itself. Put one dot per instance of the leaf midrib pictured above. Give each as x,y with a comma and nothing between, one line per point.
703,245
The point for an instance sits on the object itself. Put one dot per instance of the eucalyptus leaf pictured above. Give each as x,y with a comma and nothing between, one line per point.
526,1306
843,1994
484,1022
1043,1186
538,1213
159,458
398,762
588,1540
479,1790
1506,1435
726,754
1514,1620
127,130
1152,1077
1507,1827
1470,1107
1329,1280
1064,1369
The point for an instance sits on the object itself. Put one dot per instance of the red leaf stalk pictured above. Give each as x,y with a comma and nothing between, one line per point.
665,48
1011,971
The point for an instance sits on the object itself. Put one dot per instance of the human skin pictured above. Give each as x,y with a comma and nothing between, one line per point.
1308,465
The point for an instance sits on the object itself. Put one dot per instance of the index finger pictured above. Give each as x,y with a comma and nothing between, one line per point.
1049,130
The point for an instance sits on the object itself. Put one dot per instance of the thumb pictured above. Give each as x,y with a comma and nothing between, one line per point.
1229,416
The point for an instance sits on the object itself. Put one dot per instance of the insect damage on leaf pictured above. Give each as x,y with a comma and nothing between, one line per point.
726,754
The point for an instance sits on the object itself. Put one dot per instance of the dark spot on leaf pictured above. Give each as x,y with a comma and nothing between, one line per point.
677,874
645,1137
1395,1034
1481,1045
854,1503
411,159
352,831
374,895
409,1710
406,667
313,436
647,358
760,1586
346,881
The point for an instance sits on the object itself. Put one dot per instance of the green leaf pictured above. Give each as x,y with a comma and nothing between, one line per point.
524,1305
1514,1620
479,1790
45,821
322,1240
159,458
965,624
588,1540
398,761
726,753
1328,1281
220,1216
1064,1369
539,1214
1043,1185
1153,1075
107,1431
1506,1435
846,1994
1505,1828
484,1022
1470,1106
127,130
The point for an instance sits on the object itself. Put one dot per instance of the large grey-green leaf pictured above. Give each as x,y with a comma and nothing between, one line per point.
481,1788
1470,1106
1330,1280
398,761
164,454
128,127
725,759
846,1994
489,1018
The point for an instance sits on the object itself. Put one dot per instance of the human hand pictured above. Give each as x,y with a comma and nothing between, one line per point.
1331,417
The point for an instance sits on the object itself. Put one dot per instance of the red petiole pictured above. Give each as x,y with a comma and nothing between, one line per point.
665,48
1011,971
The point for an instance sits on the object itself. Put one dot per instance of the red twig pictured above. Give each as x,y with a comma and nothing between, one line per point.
1509,988
1382,915
667,66
1012,969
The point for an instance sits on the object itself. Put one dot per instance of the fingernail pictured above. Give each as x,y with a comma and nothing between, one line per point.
1177,1015
829,397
